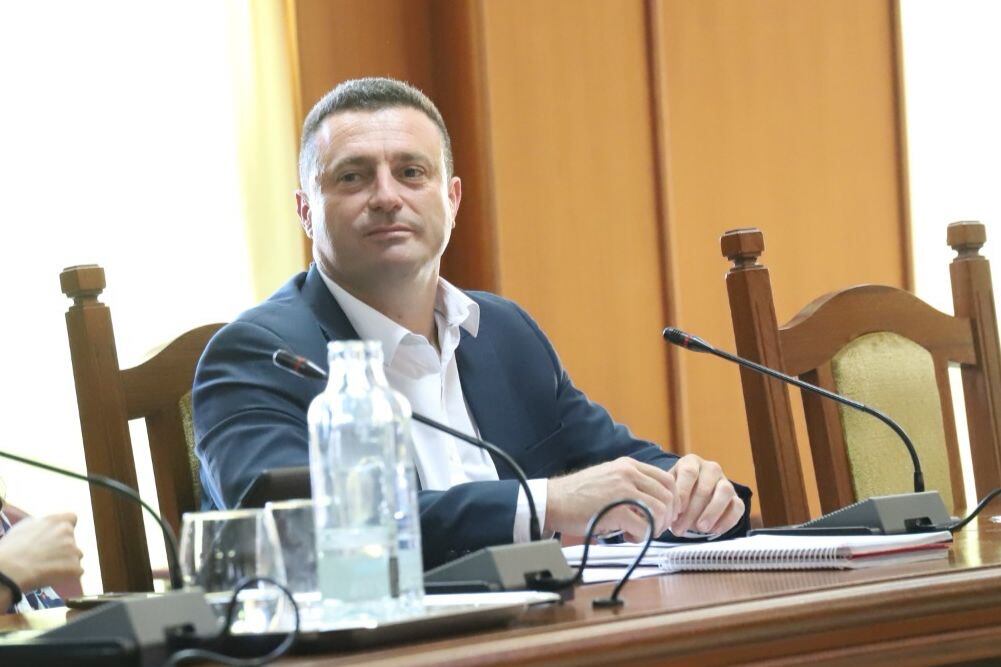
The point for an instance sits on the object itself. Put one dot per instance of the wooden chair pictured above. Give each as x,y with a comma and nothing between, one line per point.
157,391
841,341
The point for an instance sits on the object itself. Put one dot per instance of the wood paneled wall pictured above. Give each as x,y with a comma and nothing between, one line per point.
781,115
605,145
576,202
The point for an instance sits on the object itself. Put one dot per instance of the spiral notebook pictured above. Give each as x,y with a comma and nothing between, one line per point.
797,552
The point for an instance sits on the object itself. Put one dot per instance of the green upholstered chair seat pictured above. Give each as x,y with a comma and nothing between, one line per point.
897,376
187,419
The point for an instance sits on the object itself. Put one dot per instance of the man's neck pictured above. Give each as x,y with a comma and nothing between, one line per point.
409,302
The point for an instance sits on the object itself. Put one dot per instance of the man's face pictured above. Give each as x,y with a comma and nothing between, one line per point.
380,205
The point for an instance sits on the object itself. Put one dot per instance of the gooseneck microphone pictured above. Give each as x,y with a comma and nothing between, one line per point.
303,367
114,485
696,344
539,564
153,627
298,365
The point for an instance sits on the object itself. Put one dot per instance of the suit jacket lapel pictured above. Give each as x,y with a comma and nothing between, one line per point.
328,312
499,417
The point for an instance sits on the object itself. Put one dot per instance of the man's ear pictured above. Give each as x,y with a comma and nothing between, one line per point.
304,211
454,196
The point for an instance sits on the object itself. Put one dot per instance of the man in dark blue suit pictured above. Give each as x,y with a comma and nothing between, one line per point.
379,201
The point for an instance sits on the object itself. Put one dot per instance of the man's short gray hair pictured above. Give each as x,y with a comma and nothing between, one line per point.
369,94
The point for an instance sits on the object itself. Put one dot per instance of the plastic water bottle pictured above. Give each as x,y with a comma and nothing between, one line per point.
410,567
352,461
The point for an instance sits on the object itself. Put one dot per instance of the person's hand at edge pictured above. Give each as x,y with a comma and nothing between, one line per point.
40,551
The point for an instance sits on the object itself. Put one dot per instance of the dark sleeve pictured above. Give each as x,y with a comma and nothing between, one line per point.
591,436
465,518
250,416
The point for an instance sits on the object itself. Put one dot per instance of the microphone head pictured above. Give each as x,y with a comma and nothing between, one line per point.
687,341
297,365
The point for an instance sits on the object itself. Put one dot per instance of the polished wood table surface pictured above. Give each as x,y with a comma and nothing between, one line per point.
931,613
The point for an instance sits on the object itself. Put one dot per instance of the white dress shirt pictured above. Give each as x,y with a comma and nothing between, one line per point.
431,383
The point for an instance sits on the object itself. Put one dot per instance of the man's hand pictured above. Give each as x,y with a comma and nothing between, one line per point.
572,500
40,551
707,501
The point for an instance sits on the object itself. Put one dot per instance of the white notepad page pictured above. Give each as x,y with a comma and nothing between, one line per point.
798,552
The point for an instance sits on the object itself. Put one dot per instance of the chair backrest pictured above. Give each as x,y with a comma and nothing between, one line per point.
880,345
108,397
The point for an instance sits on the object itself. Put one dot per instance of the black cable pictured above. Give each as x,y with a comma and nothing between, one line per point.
114,485
696,344
959,525
534,530
613,600
274,654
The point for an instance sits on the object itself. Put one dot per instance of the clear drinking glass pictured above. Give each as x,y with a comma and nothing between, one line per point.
294,523
220,549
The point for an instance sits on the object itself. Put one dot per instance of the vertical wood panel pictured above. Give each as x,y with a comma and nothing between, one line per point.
575,190
675,357
461,94
781,115
345,39
902,159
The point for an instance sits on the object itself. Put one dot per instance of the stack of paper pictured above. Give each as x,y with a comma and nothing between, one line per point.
797,552
771,552
618,555
609,562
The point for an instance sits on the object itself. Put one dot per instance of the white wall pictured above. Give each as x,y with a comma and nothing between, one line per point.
952,70
117,147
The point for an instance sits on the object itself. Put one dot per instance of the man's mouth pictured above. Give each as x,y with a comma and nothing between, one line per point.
389,230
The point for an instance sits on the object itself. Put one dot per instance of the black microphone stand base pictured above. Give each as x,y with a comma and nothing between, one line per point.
146,624
507,567
880,515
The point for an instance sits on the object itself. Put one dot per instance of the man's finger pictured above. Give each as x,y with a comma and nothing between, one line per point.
659,499
659,510
65,517
734,511
663,477
717,505
698,500
686,475
633,524
638,526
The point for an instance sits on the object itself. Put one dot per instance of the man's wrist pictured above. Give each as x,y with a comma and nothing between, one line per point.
15,590
22,573
540,493
551,524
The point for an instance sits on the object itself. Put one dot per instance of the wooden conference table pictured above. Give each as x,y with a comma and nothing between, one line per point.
932,613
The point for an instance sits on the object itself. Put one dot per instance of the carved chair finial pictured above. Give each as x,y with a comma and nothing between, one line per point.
742,246
967,237
82,283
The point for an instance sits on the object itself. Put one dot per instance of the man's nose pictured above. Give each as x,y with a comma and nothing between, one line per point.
385,193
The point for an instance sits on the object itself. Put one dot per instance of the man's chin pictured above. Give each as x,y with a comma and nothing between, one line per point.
398,266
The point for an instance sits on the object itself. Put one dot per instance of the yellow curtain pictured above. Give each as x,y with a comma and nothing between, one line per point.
265,65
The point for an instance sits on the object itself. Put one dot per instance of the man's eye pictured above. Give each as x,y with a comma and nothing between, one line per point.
413,172
349,177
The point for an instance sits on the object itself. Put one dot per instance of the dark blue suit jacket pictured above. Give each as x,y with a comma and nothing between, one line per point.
251,416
